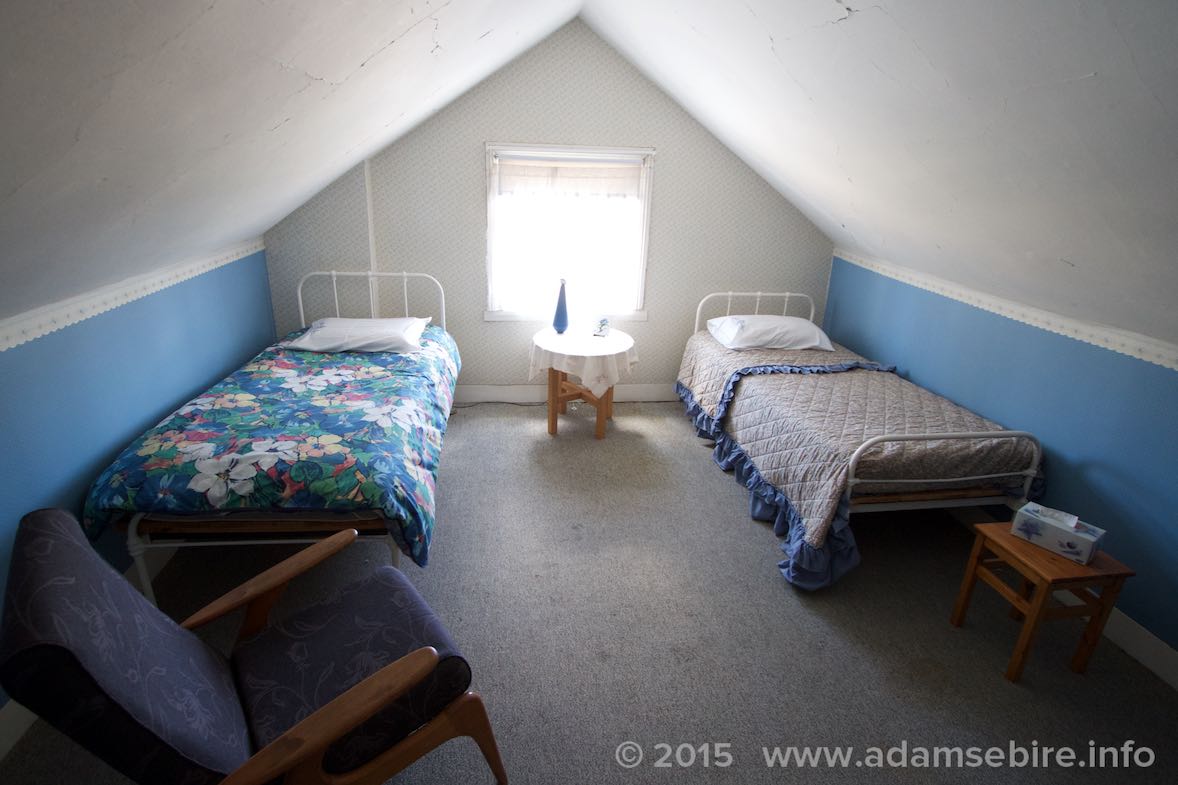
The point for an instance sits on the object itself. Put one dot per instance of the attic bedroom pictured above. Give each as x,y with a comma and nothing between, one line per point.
589,391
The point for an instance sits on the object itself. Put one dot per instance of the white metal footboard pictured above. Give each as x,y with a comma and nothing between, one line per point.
1028,474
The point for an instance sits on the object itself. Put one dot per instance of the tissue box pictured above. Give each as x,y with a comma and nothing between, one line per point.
1050,529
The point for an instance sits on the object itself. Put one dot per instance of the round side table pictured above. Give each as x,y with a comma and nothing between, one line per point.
598,361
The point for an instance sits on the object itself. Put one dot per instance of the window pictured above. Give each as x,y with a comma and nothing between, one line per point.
576,213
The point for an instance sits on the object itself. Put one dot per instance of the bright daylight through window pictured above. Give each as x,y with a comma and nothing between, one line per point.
575,213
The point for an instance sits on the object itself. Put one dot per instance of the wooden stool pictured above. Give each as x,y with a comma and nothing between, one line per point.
1043,573
561,391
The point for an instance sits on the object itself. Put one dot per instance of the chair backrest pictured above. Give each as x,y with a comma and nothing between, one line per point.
83,649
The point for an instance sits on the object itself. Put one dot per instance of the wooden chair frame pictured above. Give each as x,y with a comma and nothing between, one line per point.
297,755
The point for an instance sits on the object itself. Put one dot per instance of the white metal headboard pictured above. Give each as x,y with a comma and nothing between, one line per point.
756,306
372,277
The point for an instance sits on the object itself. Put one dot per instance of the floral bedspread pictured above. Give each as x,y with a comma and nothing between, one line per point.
301,431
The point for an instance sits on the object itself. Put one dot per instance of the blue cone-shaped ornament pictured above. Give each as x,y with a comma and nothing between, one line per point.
560,322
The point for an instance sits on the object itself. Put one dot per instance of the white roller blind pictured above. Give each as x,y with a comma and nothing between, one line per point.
578,215
571,178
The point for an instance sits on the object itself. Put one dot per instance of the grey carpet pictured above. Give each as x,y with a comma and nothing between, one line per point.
616,590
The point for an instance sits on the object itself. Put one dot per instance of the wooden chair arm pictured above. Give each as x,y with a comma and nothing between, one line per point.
264,589
306,741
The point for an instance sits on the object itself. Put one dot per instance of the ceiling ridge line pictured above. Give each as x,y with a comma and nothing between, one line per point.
1142,347
45,319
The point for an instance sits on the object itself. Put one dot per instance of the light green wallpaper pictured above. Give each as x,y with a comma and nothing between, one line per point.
715,224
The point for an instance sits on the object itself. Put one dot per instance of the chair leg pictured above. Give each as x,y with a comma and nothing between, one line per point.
473,721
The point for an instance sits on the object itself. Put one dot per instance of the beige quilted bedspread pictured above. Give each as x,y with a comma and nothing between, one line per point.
801,430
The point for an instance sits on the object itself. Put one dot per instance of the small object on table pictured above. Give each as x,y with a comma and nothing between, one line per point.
598,360
602,328
1057,531
1042,573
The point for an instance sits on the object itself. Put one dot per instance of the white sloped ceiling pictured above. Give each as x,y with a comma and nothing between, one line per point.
138,135
1025,149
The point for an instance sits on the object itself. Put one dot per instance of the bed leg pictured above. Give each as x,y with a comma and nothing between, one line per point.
395,551
136,549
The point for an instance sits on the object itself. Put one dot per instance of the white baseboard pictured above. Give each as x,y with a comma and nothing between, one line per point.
1143,646
500,393
15,720
1138,642
537,393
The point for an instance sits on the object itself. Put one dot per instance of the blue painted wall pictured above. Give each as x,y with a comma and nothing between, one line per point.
71,400
1108,422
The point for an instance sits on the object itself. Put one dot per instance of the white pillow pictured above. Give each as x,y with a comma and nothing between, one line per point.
768,332
361,335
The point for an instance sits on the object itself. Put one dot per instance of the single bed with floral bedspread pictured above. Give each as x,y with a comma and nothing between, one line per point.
296,431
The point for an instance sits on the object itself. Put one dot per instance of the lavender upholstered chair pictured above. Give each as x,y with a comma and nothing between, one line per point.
350,690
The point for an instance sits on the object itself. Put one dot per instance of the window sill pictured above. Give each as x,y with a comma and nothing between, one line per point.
511,316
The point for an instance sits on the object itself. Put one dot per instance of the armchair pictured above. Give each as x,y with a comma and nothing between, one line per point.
349,691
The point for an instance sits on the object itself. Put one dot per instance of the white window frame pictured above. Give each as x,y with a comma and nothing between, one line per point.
572,152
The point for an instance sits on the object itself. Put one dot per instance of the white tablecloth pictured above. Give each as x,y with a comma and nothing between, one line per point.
599,362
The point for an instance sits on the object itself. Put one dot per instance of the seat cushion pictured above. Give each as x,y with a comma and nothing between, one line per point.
301,663
84,650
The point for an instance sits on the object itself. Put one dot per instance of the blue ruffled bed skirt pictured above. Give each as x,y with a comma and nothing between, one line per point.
804,565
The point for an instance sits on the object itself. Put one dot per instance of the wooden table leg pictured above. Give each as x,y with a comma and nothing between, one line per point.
1014,668
564,405
1024,591
553,399
1095,626
609,403
603,412
967,582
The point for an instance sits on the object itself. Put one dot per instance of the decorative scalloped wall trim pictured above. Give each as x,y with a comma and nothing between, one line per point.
1142,347
33,324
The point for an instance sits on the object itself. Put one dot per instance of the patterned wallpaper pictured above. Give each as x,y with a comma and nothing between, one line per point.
715,224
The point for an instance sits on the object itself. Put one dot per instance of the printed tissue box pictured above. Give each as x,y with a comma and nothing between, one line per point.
1057,531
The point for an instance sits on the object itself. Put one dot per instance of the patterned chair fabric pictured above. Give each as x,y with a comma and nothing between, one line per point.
295,666
84,650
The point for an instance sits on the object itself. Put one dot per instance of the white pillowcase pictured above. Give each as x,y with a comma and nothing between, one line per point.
361,335
768,332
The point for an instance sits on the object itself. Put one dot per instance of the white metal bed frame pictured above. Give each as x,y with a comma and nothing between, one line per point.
864,504
699,309
373,282
139,541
